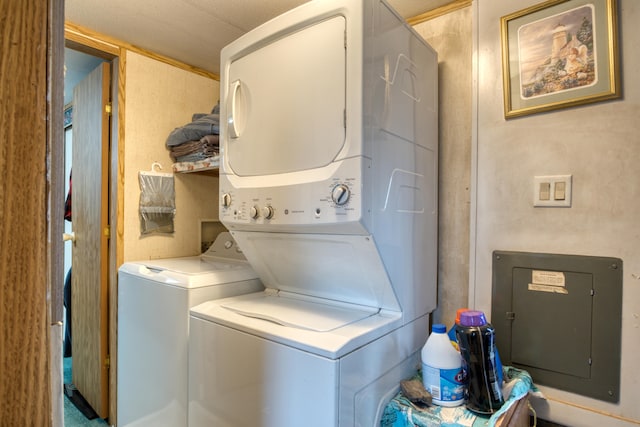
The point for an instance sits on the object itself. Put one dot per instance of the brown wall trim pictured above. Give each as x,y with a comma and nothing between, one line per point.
443,10
76,34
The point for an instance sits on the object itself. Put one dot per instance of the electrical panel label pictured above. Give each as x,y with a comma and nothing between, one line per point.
548,281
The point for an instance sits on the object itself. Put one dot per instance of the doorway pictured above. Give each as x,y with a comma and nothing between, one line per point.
88,106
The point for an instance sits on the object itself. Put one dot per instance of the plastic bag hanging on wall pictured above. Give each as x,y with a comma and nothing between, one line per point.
157,201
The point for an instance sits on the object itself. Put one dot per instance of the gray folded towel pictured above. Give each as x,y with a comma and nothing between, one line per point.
205,125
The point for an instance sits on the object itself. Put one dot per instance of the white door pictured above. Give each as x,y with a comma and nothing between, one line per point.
286,102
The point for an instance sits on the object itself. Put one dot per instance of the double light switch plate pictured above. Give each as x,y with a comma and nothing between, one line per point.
552,191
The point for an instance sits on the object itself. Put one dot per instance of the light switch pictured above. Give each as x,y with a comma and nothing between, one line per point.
552,191
559,190
545,191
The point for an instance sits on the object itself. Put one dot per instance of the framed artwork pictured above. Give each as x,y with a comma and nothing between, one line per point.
558,54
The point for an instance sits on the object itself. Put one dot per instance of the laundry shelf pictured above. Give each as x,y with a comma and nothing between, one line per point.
208,166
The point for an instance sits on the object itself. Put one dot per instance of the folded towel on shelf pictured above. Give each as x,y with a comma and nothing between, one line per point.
206,125
200,126
198,140
207,146
206,164
216,110
195,157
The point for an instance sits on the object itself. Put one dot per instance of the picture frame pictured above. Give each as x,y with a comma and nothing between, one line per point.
559,54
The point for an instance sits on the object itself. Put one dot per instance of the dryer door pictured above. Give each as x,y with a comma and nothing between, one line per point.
285,104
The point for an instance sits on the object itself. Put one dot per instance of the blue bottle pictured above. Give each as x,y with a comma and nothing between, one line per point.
476,339
454,339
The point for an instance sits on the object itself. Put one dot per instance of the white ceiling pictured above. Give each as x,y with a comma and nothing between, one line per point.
192,31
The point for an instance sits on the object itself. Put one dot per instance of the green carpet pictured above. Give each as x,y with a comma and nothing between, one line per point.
72,416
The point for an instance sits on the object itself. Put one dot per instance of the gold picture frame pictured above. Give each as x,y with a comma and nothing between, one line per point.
558,54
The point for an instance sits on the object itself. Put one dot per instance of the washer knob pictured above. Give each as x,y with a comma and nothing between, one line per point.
253,212
340,194
267,212
226,200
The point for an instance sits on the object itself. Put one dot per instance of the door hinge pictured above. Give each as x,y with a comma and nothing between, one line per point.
107,362
107,108
107,232
510,315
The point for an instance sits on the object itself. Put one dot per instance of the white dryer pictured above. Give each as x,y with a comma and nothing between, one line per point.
154,298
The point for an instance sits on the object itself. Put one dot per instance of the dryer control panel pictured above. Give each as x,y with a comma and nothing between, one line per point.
276,203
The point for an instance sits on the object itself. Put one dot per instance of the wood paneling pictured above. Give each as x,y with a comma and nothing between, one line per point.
155,107
25,393
90,222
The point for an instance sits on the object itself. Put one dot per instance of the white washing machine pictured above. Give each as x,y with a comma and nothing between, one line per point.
296,361
154,298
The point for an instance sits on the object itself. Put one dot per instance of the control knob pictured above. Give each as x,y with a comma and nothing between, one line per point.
340,194
267,212
253,212
226,200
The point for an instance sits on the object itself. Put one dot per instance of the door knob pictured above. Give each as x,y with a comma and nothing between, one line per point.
69,236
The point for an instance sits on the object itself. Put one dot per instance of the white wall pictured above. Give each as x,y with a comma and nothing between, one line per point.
160,98
599,145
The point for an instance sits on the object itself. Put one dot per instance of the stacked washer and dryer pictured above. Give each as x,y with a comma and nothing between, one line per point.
328,182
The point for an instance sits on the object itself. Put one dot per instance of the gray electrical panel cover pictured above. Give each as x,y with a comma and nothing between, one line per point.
559,317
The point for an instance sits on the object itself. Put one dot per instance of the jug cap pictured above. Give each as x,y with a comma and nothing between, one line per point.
472,318
439,328
458,313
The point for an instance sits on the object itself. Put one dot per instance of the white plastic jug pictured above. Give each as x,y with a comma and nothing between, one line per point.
442,373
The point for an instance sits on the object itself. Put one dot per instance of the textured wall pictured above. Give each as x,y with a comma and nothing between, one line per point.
160,98
599,145
450,36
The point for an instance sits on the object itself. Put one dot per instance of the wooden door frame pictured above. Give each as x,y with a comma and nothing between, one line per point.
84,41
31,281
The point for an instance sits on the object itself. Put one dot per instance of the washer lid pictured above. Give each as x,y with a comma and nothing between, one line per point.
193,265
300,312
190,272
326,328
331,267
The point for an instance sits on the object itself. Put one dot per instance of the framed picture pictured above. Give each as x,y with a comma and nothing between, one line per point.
558,54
